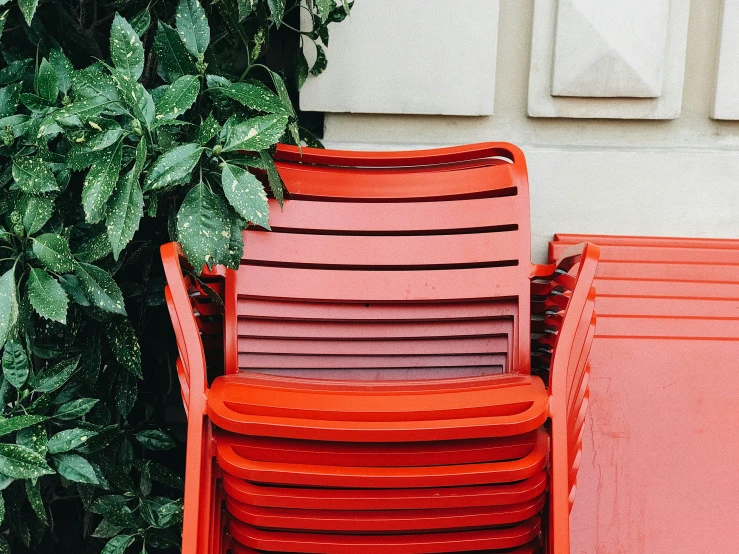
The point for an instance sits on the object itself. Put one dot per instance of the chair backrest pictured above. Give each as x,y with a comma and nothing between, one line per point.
416,262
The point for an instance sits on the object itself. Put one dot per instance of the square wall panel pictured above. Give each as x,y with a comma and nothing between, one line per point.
409,57
604,59
726,101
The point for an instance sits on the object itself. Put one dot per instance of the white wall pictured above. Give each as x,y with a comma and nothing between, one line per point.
649,161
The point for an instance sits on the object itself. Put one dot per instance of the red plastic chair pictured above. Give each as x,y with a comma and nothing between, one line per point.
377,357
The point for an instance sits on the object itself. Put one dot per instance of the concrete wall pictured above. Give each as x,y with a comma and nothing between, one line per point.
647,160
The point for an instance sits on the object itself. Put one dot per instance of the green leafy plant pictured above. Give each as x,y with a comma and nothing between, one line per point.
124,124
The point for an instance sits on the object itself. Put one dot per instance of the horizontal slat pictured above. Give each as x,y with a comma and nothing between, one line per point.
399,347
395,218
384,251
298,311
669,328
660,253
667,289
616,240
666,307
382,286
384,499
683,271
392,374
394,184
345,330
276,361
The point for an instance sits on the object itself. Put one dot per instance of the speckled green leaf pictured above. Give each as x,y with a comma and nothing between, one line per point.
126,49
124,345
8,304
95,247
100,288
82,109
256,133
277,9
178,98
324,8
117,545
71,286
174,59
141,22
53,251
32,175
321,62
106,529
36,213
135,96
75,408
33,492
15,363
207,130
75,468
47,296
57,375
255,97
126,205
192,26
63,68
28,8
4,546
83,154
69,439
246,194
275,181
244,8
173,167
13,424
47,82
20,462
154,439
3,18
9,97
126,392
33,437
100,182
300,68
204,227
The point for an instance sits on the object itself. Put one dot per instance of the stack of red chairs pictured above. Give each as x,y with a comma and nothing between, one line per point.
378,394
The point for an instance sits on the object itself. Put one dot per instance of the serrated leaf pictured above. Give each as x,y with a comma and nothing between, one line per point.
75,468
124,345
192,26
69,439
33,437
94,247
13,424
154,439
33,492
9,97
300,68
204,227
246,194
63,68
135,96
32,175
53,251
166,476
28,8
117,545
100,182
174,59
15,364
8,304
125,210
126,392
324,9
141,22
320,64
256,133
47,82
75,408
281,89
207,130
81,109
37,211
273,176
178,98
255,97
47,296
100,288
106,530
20,462
71,286
173,167
57,375
277,9
126,49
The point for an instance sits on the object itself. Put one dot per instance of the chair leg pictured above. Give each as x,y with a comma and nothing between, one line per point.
198,516
559,505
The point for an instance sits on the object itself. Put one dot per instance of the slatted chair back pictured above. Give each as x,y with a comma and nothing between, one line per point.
412,262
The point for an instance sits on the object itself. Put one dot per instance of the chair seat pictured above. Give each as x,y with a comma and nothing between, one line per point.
393,411
326,475
384,499
531,548
384,521
416,543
